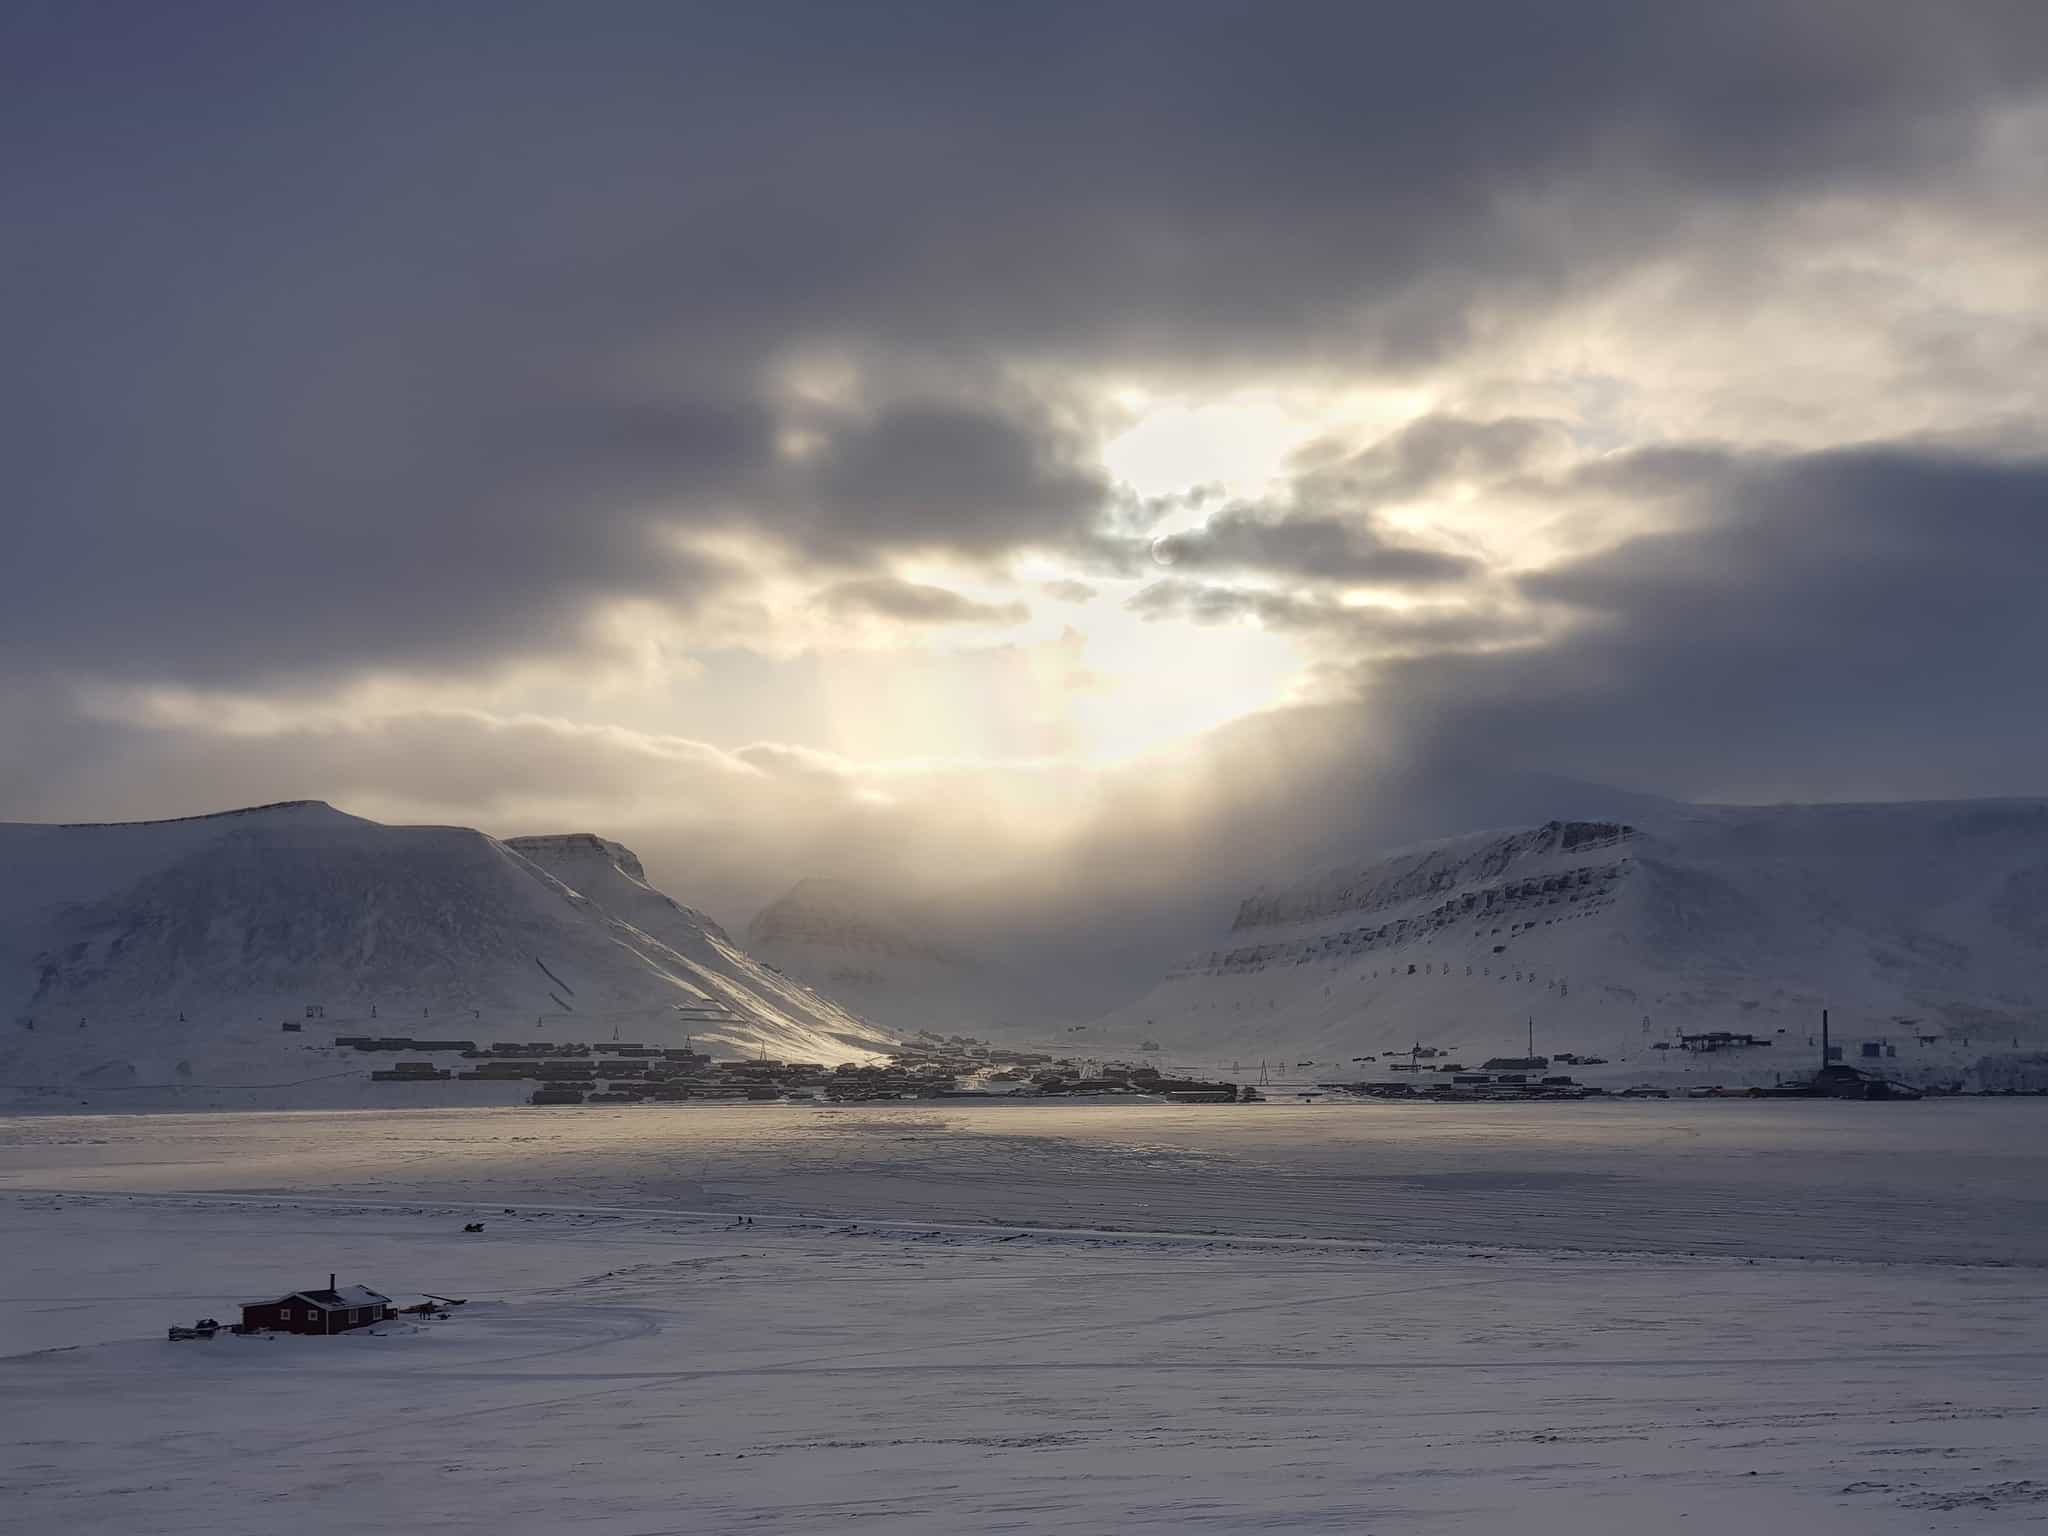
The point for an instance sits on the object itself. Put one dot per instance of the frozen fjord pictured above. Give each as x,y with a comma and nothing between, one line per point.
900,1361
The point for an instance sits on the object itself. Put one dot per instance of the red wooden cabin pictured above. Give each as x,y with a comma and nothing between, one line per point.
334,1310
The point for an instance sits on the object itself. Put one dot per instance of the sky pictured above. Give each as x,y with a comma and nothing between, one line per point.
1019,450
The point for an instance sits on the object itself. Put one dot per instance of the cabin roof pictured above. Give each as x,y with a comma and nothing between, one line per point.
341,1299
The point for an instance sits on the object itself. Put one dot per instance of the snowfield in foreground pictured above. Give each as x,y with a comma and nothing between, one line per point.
644,1370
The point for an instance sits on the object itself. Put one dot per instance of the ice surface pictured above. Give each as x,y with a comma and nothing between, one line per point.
1942,1180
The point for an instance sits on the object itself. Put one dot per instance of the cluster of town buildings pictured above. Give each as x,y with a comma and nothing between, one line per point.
615,1072
623,1072
1505,1077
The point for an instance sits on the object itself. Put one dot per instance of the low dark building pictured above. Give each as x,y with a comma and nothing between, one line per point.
1840,1082
1719,1040
334,1310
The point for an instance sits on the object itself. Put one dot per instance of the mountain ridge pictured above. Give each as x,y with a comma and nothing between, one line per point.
193,950
1921,925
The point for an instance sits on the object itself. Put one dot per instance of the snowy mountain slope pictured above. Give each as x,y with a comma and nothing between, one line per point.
887,960
783,1016
1922,927
172,952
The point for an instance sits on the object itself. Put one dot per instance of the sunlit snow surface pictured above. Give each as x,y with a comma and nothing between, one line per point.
1652,1317
1938,1181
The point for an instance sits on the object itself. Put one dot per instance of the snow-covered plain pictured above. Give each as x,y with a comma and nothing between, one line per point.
1680,1317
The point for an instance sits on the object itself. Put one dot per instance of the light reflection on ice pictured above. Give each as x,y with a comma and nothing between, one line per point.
1954,1180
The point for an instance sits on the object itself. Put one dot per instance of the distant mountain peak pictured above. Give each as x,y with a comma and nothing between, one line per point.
846,915
891,959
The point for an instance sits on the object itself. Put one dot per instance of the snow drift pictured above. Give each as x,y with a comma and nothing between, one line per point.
174,953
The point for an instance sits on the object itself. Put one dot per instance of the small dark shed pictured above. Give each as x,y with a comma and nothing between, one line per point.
334,1310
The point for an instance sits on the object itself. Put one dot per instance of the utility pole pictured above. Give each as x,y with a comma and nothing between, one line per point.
1826,1055
1532,1037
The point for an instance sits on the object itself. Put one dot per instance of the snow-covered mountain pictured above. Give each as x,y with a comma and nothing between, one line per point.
890,961
1922,927
173,953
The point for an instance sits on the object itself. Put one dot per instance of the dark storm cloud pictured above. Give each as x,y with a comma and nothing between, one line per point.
1648,475
910,602
398,335
207,555
950,479
1864,621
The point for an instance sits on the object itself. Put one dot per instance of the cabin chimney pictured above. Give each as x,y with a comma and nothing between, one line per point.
330,1282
